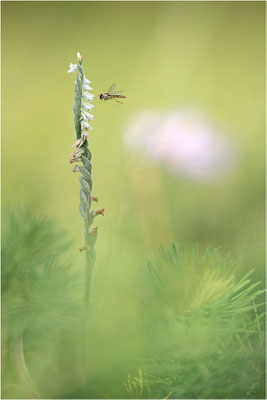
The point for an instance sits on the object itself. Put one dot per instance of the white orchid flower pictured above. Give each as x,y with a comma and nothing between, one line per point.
87,97
73,68
86,87
86,106
85,126
86,115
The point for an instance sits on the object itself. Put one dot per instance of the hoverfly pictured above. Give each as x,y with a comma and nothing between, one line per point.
112,94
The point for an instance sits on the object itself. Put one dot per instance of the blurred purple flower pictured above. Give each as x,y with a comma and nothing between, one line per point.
183,142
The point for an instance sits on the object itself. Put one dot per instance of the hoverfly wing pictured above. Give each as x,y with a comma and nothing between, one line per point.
112,88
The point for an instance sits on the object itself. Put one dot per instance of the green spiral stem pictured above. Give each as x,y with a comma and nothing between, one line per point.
82,117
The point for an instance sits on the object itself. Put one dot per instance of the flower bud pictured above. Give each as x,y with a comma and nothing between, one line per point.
79,57
76,168
75,159
83,248
99,212
78,143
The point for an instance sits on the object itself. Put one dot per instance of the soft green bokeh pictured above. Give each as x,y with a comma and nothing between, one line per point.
165,55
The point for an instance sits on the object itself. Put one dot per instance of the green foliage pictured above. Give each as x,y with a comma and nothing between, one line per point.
40,296
135,386
205,333
37,286
187,326
176,43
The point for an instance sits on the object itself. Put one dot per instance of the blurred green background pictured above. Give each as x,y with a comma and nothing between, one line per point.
165,55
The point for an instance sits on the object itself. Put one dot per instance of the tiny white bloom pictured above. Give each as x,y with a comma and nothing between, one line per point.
86,87
85,136
78,143
79,56
85,115
85,126
72,68
87,96
87,106
86,81
83,140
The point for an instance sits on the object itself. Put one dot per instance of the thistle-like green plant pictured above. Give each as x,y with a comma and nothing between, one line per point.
205,327
135,386
40,298
82,154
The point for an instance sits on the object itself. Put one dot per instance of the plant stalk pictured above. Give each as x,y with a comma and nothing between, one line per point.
17,351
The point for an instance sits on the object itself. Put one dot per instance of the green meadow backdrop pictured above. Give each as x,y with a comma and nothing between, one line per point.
165,56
